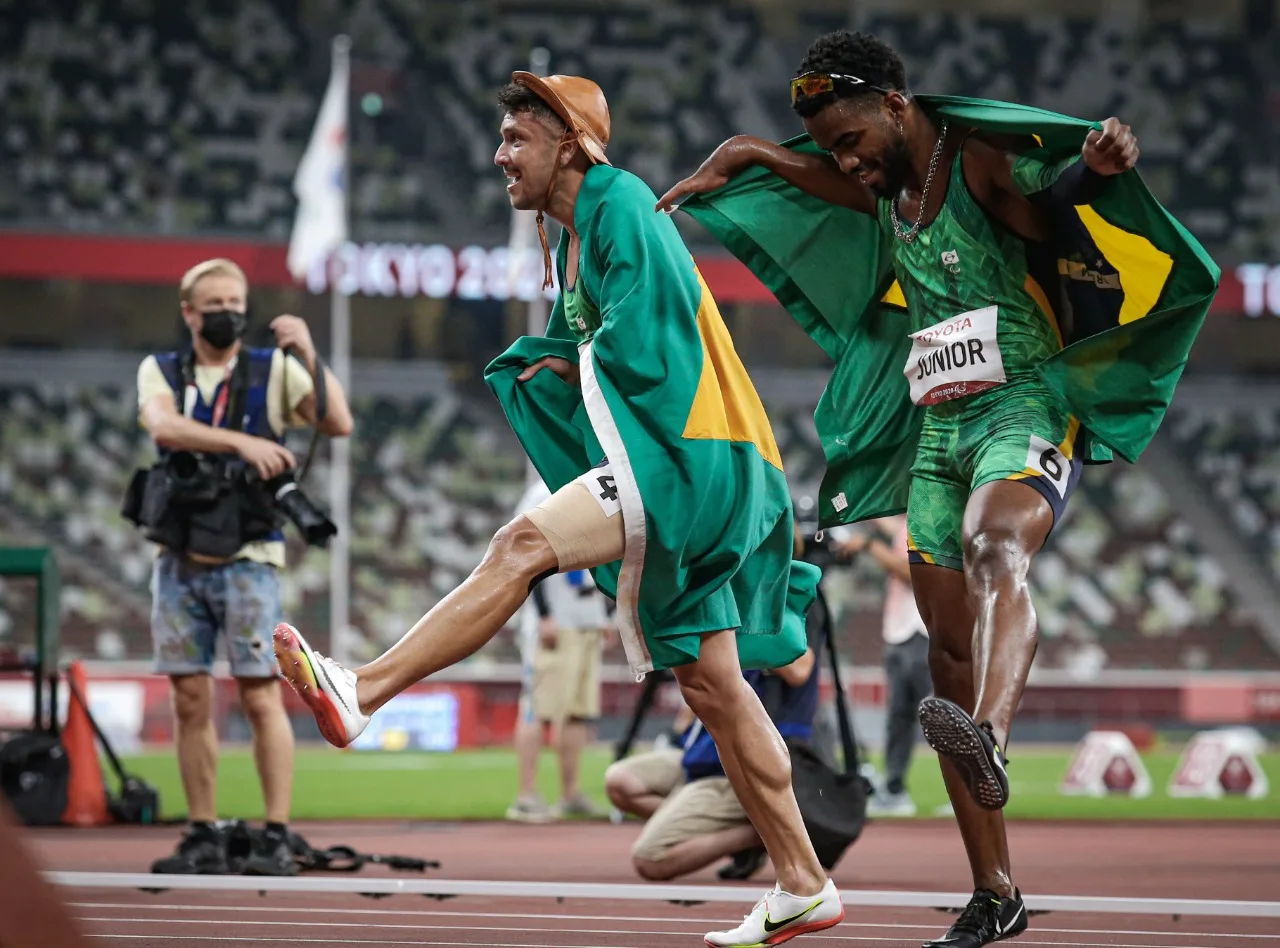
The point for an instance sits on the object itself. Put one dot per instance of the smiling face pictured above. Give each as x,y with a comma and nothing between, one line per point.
864,135
528,156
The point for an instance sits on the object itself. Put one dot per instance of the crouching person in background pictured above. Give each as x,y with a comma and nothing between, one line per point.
692,817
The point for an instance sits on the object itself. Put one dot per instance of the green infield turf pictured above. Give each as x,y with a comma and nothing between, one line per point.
479,785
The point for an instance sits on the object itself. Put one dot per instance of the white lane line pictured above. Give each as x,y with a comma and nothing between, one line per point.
187,939
560,931
648,892
534,916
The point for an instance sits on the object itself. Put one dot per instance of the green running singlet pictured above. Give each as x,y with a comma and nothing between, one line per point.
977,289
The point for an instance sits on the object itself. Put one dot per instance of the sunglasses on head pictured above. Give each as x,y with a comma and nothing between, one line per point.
817,83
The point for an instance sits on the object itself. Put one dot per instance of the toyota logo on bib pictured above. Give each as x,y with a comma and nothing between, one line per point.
957,357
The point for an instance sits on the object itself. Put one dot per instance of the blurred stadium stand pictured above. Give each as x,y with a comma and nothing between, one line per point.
1235,453
137,115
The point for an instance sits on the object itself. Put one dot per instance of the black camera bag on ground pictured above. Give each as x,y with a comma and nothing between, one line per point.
34,775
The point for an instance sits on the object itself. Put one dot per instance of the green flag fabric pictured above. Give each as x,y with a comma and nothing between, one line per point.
705,504
1138,286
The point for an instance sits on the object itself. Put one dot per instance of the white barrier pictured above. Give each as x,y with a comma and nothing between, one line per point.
640,892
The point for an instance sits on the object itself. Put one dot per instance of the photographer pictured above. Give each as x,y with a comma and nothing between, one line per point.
217,414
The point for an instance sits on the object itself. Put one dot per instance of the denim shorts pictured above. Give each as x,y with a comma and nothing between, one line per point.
192,602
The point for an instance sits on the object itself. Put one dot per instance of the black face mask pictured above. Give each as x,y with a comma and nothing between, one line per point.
222,327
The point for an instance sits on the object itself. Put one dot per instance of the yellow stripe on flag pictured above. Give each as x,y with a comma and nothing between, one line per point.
725,406
1144,268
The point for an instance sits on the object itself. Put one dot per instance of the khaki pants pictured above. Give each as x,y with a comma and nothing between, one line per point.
691,809
565,684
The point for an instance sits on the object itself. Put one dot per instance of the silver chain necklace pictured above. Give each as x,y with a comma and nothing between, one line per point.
907,236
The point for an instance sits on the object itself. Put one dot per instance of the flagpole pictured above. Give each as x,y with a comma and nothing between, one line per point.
340,448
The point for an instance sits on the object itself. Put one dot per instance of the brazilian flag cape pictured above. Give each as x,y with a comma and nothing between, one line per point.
705,506
1137,287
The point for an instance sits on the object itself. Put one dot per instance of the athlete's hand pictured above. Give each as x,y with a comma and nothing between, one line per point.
1112,150
562,367
725,163
270,459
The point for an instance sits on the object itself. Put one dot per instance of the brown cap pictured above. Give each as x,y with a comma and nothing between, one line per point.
579,103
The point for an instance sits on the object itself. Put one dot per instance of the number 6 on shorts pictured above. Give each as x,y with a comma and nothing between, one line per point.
1045,459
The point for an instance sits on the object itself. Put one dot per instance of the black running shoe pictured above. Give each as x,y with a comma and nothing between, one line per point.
201,852
271,856
239,838
970,746
986,919
745,864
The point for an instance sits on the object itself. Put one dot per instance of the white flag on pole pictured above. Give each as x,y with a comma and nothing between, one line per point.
321,180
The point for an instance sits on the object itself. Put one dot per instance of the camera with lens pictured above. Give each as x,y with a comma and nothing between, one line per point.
194,478
283,494
212,505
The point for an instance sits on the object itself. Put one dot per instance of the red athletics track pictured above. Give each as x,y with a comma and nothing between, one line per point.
1156,860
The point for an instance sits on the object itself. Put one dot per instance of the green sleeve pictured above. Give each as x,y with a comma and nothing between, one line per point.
1032,174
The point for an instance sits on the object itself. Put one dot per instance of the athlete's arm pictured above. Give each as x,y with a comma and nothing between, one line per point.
562,367
558,327
815,174
1015,189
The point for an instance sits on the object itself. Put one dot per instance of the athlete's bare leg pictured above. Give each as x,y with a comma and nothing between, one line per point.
948,615
1005,525
982,638
754,757
465,619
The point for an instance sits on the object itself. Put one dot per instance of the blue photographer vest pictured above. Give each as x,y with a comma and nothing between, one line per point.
793,717
254,419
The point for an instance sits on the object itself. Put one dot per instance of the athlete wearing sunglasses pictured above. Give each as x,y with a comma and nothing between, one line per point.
970,227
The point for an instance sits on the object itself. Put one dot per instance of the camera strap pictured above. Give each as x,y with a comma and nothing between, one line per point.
237,390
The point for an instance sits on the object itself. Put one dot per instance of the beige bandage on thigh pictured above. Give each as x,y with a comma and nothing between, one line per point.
583,521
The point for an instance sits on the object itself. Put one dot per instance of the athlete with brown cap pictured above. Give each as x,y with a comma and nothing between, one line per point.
687,520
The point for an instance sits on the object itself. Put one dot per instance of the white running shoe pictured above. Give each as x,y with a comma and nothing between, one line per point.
328,689
780,916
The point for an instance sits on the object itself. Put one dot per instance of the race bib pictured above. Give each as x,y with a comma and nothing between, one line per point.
955,358
604,488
